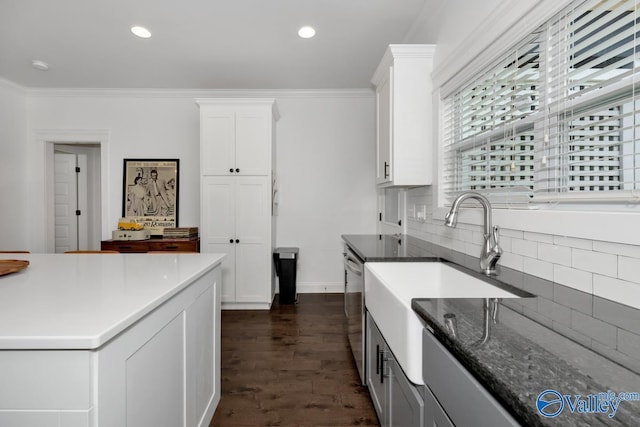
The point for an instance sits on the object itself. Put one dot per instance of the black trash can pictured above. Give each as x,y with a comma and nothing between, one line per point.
286,261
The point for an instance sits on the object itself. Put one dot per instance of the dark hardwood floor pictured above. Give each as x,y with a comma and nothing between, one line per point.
290,366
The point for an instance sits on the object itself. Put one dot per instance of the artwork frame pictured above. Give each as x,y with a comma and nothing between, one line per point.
153,202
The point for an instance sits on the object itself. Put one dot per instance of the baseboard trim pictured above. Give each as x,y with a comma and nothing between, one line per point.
318,288
245,306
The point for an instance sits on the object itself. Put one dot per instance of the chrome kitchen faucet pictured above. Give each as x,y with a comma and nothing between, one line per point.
491,250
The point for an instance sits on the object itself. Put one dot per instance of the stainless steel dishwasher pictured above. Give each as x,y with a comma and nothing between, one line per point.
354,307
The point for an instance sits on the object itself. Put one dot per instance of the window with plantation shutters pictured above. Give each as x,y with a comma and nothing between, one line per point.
556,118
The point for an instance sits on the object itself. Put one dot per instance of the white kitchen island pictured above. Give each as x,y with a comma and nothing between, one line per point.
110,340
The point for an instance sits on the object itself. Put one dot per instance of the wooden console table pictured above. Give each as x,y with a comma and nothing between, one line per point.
157,244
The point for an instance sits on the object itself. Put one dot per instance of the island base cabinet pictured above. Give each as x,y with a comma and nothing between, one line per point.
396,400
165,371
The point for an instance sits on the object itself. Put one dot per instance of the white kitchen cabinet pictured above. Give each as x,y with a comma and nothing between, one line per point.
404,116
237,160
235,136
236,220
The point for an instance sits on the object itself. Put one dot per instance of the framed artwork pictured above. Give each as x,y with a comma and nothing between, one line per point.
150,192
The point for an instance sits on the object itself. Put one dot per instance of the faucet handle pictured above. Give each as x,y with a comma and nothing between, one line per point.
496,237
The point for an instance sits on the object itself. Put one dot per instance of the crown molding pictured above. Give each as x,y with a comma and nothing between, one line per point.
399,52
198,93
8,84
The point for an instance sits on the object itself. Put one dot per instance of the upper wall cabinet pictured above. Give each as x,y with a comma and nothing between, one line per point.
404,116
236,137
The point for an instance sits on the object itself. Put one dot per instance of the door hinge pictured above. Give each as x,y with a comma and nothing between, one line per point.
77,169
78,212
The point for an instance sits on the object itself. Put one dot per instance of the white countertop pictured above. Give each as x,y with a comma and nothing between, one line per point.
81,301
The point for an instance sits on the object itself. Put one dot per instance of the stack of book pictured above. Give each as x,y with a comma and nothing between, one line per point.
180,233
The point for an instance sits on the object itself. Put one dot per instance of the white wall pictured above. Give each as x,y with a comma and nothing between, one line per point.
325,160
13,167
326,168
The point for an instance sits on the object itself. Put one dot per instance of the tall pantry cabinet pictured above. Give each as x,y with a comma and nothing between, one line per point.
237,170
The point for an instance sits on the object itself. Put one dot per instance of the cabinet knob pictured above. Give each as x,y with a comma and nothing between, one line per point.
237,169
231,170
230,240
237,240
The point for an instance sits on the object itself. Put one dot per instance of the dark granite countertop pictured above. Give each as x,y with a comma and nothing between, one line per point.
522,356
385,247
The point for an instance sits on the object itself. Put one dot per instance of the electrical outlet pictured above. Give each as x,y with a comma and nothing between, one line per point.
421,213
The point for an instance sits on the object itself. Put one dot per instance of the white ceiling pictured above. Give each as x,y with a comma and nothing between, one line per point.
200,44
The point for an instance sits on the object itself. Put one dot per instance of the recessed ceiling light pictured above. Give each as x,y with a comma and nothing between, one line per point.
141,32
39,65
306,32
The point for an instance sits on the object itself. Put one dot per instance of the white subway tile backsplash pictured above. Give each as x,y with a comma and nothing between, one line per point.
516,234
472,249
458,245
505,243
605,269
466,235
555,311
525,247
573,242
538,268
624,292
628,343
576,279
511,260
555,254
628,268
617,249
597,329
595,262
538,237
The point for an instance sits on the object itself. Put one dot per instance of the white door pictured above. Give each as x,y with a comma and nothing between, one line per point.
66,202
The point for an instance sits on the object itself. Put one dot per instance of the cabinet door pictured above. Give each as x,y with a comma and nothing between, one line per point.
253,141
218,233
434,415
376,370
253,259
384,162
218,210
406,407
217,141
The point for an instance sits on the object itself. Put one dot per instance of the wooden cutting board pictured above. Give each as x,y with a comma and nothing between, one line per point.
12,265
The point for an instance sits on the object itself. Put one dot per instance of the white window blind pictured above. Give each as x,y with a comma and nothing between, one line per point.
590,151
489,128
556,117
